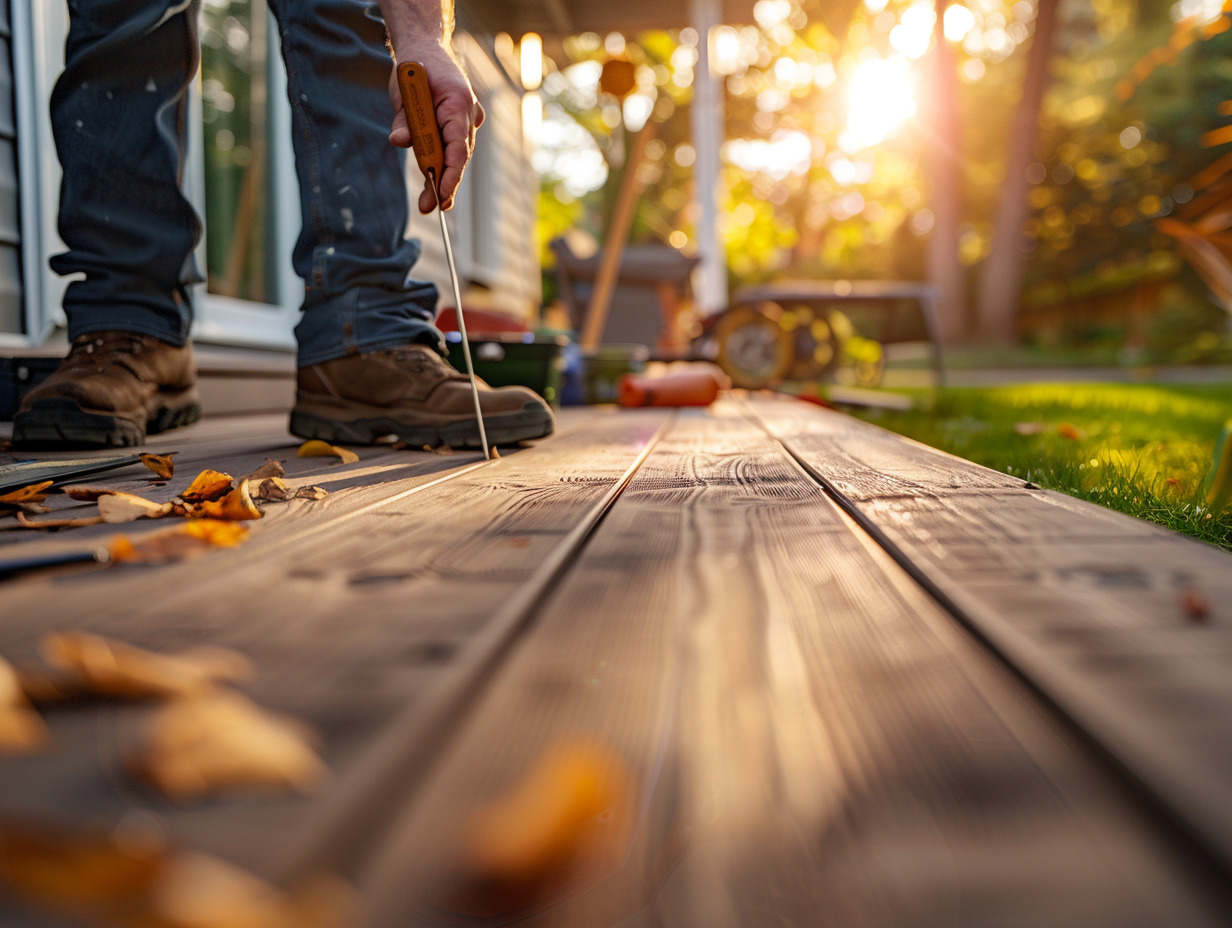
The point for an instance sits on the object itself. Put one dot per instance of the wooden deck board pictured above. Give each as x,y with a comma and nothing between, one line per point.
811,736
808,733
1086,602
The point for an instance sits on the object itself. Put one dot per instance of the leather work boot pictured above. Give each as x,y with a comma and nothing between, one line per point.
414,393
111,390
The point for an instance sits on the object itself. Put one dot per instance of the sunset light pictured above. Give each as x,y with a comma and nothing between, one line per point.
881,99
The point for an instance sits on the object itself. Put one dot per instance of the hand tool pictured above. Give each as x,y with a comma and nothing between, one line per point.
430,155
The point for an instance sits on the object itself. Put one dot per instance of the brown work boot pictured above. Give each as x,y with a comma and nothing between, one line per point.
111,390
413,393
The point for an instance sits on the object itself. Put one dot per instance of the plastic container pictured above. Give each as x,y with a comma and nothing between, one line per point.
510,360
603,369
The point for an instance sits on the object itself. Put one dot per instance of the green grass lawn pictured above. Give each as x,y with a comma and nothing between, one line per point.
1142,449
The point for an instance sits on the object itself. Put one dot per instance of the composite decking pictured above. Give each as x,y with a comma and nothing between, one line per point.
853,680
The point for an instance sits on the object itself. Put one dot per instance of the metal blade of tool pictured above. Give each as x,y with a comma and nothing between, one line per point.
429,151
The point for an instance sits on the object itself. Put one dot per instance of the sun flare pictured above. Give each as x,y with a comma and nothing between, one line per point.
881,98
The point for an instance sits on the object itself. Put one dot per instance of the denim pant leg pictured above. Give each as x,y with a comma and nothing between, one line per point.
358,291
118,118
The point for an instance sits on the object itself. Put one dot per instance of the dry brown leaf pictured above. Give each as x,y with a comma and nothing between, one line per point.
194,748
319,449
21,728
161,464
26,522
127,507
311,493
207,485
238,505
85,494
34,493
273,489
270,468
112,668
132,878
572,808
1028,428
179,543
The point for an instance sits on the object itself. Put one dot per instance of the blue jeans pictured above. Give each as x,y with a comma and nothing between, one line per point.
118,114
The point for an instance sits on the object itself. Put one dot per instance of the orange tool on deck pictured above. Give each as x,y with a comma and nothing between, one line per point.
430,156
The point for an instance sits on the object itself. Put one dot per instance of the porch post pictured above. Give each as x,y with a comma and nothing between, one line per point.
706,118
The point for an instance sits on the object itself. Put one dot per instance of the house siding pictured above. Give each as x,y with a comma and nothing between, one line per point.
10,217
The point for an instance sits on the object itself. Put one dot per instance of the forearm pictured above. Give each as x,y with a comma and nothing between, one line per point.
412,23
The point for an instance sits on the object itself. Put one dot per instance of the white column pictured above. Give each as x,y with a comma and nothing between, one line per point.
706,117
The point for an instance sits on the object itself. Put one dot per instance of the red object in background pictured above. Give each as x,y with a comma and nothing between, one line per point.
698,387
485,321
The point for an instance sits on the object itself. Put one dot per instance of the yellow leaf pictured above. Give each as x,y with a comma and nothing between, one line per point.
31,494
21,728
320,449
238,505
161,464
113,668
125,507
198,747
209,484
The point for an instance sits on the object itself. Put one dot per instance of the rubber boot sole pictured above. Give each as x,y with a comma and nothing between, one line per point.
61,423
531,422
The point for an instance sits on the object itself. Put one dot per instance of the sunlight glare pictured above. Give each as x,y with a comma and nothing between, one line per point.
958,22
913,34
881,100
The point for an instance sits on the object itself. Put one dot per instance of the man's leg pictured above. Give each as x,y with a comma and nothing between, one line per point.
118,116
369,355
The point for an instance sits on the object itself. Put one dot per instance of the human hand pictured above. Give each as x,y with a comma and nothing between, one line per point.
458,115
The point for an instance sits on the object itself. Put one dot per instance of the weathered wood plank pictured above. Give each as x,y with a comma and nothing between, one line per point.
1087,603
813,741
351,617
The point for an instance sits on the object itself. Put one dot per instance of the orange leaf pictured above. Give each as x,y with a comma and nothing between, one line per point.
1073,433
179,543
573,807
238,505
31,494
318,449
209,484
134,878
161,464
113,668
21,728
199,747
125,507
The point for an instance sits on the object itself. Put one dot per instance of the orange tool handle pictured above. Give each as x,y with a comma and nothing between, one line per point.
421,118
688,388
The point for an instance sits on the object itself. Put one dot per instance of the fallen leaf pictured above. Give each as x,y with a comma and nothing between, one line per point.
43,686
26,522
132,878
274,489
238,505
399,446
112,668
572,809
126,507
318,449
311,493
34,493
179,543
1028,428
493,453
85,494
1197,608
161,464
1073,433
223,742
1173,482
270,468
21,728
207,485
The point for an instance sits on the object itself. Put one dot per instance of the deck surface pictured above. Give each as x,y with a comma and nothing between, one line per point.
849,680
